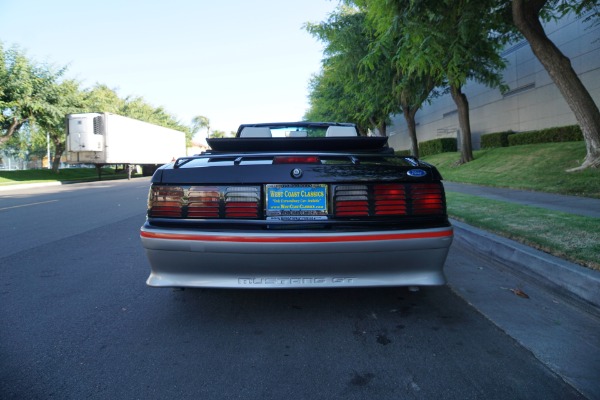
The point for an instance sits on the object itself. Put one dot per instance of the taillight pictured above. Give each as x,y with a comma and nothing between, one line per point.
389,199
296,160
242,202
203,202
165,201
427,199
351,200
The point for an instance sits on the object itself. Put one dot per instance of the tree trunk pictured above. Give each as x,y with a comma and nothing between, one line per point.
462,105
382,128
55,163
13,128
59,148
409,116
410,101
526,19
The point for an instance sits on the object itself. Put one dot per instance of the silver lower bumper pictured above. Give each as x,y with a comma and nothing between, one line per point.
296,260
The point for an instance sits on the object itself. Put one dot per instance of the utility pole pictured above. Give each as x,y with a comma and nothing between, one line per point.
48,149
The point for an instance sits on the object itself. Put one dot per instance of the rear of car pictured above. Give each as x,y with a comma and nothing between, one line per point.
296,205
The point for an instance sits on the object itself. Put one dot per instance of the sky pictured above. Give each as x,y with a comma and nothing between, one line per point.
231,61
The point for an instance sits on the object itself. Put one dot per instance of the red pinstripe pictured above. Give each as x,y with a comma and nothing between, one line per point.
302,239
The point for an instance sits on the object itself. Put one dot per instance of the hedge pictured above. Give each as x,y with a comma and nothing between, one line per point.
570,133
498,139
437,146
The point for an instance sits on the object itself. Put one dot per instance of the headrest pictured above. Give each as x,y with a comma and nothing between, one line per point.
341,131
251,131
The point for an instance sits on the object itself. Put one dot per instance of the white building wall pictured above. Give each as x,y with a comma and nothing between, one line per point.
532,102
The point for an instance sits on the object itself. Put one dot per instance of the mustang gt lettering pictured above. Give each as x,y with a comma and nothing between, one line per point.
294,281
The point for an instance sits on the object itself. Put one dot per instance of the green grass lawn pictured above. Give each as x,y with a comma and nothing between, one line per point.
539,167
571,237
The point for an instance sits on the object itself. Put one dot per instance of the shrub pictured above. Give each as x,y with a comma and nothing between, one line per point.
437,146
498,139
570,133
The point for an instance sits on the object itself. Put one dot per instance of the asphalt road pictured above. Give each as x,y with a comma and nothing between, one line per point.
77,321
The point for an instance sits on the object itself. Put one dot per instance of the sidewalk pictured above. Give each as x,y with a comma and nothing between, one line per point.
562,333
556,274
559,320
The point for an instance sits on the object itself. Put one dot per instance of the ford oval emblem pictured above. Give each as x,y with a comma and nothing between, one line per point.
416,173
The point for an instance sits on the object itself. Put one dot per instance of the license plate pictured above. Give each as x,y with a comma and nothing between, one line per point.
296,202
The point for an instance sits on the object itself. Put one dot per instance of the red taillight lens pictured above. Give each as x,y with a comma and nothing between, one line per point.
427,199
296,160
165,201
390,199
242,202
203,202
351,200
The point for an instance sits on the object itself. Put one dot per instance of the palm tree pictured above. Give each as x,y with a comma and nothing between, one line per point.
199,122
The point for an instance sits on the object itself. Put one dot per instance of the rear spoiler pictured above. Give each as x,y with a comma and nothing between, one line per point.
337,144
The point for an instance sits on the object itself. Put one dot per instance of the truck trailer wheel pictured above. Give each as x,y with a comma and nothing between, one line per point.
148,170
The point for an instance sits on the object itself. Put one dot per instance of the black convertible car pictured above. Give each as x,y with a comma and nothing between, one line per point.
296,205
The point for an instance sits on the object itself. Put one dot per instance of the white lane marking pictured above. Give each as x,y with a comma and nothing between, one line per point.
27,205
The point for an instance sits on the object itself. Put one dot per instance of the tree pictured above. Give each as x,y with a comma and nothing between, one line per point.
448,41
527,15
200,122
330,100
65,98
218,134
34,96
410,90
413,91
101,98
21,144
347,88
26,91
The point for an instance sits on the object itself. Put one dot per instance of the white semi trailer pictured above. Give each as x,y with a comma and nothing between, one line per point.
106,139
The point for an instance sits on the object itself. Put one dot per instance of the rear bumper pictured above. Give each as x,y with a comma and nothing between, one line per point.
183,258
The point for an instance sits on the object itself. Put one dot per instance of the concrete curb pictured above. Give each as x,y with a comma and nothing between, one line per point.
555,273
